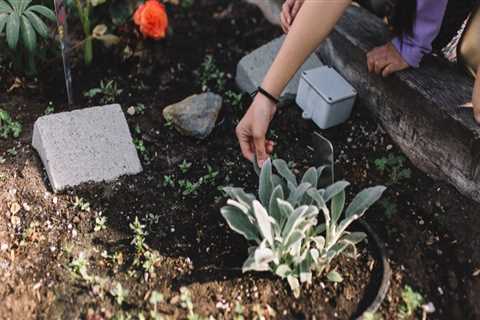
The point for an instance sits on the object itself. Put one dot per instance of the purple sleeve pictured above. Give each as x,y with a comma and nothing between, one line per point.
427,25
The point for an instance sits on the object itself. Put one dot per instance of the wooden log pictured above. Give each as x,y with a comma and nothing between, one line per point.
417,107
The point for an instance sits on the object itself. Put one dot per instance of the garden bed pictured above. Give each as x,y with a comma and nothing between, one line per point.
42,244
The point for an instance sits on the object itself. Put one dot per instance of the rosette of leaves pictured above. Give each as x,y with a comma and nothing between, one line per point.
23,23
284,223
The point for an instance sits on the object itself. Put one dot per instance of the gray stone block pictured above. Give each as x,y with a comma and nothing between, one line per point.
89,145
253,67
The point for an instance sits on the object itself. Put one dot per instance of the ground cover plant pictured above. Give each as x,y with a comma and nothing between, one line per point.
79,254
284,223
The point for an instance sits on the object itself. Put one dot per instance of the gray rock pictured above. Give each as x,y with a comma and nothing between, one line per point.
253,67
270,8
196,115
89,145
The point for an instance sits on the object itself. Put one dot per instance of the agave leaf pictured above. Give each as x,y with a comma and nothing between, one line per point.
282,168
332,190
15,4
283,270
29,36
44,11
13,30
263,222
336,206
364,200
334,276
294,285
274,209
265,183
240,223
3,21
37,23
5,7
23,4
311,176
297,195
293,221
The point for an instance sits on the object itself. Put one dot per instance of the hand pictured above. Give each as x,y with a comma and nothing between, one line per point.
290,9
385,60
476,98
253,127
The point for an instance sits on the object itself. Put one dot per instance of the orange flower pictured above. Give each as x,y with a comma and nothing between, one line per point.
152,19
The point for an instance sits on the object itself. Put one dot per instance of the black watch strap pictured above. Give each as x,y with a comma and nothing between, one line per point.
266,94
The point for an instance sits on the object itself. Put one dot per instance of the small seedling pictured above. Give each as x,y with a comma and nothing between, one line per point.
394,166
371,316
412,301
8,126
186,303
139,236
79,265
140,146
210,75
100,223
156,298
49,109
168,181
81,204
12,152
108,91
185,166
119,293
239,309
233,98
390,208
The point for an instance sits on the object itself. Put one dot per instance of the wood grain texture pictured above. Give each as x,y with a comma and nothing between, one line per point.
418,108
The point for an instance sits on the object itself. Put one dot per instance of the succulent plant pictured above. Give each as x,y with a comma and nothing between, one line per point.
283,222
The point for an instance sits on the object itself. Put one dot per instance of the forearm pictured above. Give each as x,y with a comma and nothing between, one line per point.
312,24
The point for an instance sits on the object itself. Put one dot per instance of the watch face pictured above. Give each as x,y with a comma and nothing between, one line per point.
323,156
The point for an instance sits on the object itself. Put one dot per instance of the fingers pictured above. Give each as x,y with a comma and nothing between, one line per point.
260,150
296,8
380,64
283,22
287,9
245,143
388,70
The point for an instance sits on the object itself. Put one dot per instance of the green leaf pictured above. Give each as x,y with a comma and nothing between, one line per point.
337,205
13,30
3,21
265,183
354,237
37,23
294,285
283,270
15,4
273,209
295,237
297,195
311,176
294,220
286,209
334,189
263,221
334,276
5,7
44,11
282,168
23,5
239,222
316,195
28,35
364,200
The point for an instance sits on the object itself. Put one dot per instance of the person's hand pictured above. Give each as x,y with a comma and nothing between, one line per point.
385,60
253,127
290,9
476,98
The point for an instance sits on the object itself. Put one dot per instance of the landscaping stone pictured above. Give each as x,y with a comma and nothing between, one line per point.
196,115
89,145
252,68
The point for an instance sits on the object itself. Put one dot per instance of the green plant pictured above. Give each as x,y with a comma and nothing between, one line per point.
79,265
168,181
233,98
186,303
156,298
23,23
100,223
283,223
394,166
49,109
119,293
81,204
211,75
109,91
8,126
389,207
185,166
411,302
371,316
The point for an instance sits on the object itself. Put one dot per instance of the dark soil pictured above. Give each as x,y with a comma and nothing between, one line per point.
431,238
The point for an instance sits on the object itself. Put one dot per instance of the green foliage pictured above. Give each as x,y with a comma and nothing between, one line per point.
210,77
283,223
8,126
390,208
394,166
371,316
100,223
108,91
23,24
411,302
185,166
119,293
234,98
81,204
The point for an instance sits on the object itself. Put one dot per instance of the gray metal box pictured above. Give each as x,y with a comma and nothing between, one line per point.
325,97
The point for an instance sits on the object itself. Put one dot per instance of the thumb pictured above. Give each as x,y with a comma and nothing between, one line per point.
260,150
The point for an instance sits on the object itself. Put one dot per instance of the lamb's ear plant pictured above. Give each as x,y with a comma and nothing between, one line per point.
283,224
22,23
